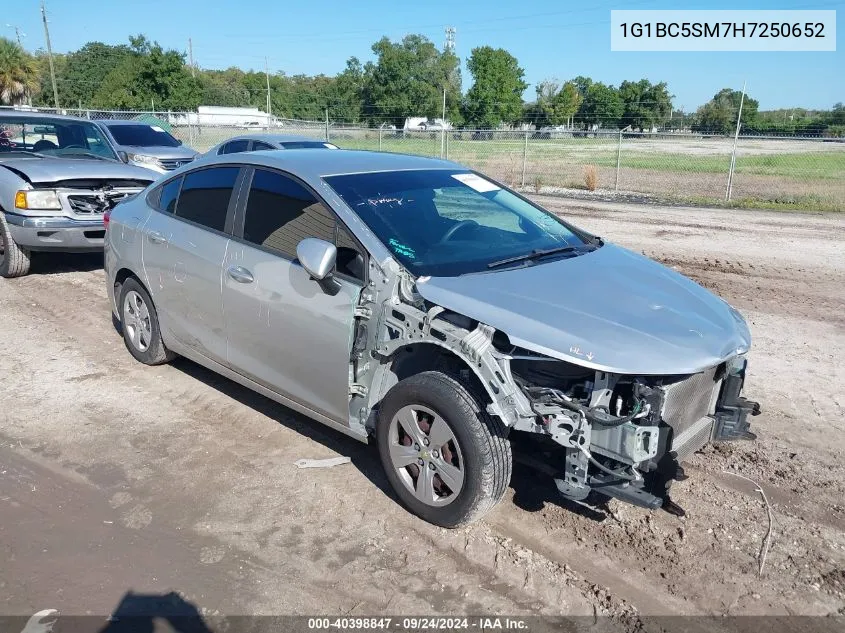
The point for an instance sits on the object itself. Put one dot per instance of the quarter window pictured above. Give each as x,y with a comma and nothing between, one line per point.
233,147
280,213
205,195
258,145
168,194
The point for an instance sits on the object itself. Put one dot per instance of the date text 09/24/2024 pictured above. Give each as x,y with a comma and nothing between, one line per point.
422,623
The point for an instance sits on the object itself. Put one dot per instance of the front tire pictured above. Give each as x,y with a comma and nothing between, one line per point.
446,458
14,260
139,323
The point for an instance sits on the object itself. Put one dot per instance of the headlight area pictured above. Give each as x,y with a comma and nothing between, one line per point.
38,200
143,159
626,436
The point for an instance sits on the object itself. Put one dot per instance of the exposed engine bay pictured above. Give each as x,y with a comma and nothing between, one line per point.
94,196
623,436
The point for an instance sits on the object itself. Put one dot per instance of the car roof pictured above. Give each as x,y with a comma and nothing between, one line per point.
124,122
311,166
29,114
278,138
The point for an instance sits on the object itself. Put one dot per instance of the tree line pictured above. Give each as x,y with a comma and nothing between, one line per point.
410,77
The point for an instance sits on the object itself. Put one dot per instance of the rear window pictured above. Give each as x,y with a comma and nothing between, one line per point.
307,145
142,136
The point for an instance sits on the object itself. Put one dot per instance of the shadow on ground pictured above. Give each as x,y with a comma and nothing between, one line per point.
532,489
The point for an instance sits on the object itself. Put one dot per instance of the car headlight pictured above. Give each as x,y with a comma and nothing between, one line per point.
143,158
743,328
736,365
38,199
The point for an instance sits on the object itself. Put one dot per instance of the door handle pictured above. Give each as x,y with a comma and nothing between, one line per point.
156,238
240,274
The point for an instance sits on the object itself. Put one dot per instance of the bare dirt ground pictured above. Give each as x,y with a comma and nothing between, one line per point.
116,477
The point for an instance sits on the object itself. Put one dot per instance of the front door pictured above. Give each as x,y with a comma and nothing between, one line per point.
184,248
283,330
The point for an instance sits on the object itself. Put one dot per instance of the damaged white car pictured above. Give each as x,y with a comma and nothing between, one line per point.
420,303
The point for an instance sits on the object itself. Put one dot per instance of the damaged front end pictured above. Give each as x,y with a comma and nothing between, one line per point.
626,436
621,435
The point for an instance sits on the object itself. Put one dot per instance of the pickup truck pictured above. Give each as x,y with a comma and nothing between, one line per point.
58,175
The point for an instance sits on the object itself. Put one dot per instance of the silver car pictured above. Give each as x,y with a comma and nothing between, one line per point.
258,142
421,303
146,145
57,176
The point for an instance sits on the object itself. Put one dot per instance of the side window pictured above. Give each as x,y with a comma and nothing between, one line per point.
280,213
257,145
205,194
350,258
233,147
167,195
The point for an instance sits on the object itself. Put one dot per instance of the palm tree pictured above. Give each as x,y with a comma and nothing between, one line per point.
18,73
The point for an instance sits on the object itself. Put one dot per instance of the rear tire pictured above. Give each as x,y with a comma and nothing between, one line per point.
139,324
14,260
430,423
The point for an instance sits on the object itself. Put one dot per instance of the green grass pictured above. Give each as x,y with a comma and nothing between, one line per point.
828,165
809,202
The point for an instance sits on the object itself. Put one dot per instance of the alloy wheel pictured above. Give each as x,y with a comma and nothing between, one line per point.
136,321
426,454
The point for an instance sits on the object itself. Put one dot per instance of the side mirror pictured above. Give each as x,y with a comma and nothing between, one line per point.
123,156
318,258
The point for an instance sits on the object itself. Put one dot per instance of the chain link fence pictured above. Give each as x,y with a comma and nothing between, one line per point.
805,173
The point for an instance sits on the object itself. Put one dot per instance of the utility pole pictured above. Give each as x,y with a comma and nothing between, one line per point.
50,56
327,124
191,57
443,128
17,33
269,104
733,153
449,44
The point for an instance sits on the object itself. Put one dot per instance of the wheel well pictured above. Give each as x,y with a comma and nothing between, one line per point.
416,358
122,275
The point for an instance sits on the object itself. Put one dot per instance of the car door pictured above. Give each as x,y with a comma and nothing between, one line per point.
184,247
283,330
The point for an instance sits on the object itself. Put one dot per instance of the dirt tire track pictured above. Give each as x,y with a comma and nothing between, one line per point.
532,554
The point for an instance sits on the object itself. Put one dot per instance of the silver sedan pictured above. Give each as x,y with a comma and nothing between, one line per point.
419,302
257,142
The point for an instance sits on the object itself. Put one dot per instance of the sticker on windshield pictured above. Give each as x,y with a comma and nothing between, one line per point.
402,249
476,182
157,128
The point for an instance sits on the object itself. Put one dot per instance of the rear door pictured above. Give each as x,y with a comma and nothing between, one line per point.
184,247
283,330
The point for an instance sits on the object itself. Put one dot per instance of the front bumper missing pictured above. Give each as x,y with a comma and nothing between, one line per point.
727,420
732,412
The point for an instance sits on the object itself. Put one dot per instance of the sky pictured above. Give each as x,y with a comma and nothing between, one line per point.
552,39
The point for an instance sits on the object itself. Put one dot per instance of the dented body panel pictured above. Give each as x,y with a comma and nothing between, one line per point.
616,366
610,310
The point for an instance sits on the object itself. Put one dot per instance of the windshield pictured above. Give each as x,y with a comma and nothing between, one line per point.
448,223
142,135
53,137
